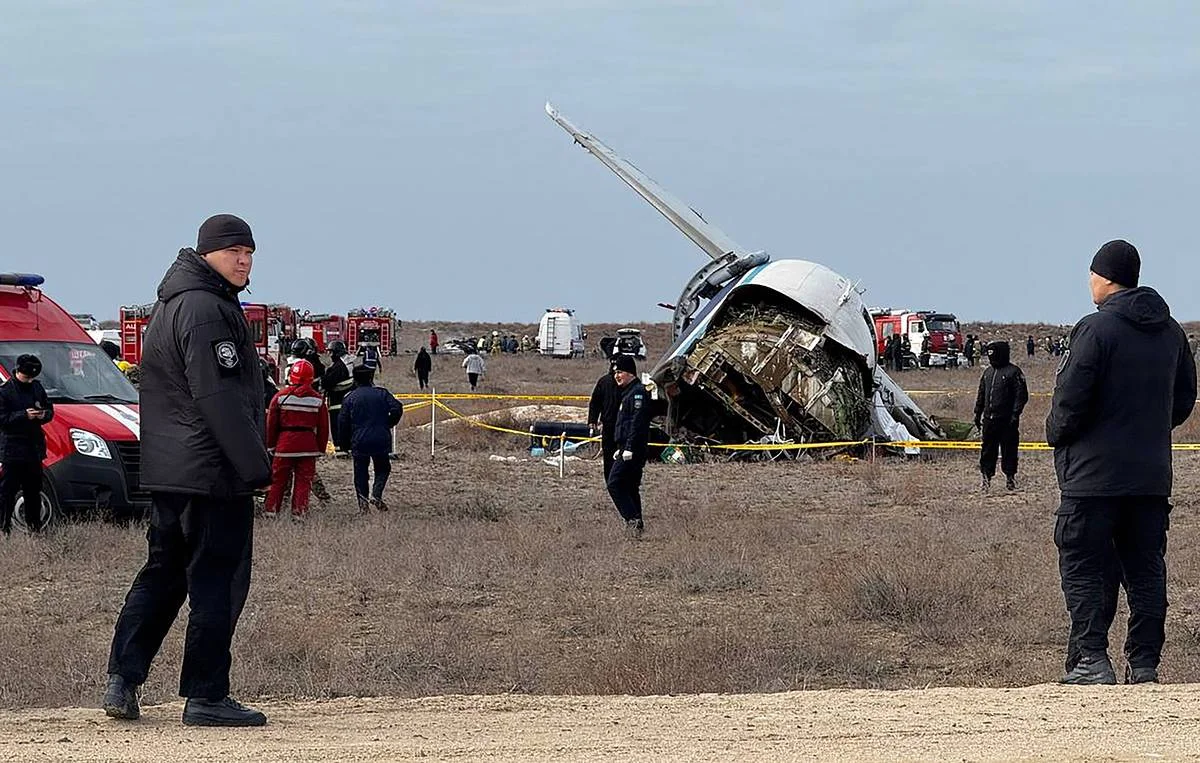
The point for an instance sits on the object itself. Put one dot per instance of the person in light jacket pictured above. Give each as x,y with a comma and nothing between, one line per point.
475,368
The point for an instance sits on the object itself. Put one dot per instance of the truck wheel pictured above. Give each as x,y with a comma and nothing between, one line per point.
50,510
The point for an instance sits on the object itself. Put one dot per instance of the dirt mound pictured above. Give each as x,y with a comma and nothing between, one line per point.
521,416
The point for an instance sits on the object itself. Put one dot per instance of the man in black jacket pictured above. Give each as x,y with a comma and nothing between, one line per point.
998,406
631,434
1127,380
369,414
337,383
203,456
24,410
603,407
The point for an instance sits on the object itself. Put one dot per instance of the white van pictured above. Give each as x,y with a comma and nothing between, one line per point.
560,334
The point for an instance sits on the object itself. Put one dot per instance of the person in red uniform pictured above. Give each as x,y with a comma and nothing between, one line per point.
297,433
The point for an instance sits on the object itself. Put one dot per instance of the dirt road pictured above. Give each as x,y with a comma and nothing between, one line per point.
1040,722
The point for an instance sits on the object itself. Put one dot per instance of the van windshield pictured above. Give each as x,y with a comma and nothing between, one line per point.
73,372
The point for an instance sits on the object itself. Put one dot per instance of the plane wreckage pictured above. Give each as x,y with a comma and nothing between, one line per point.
767,352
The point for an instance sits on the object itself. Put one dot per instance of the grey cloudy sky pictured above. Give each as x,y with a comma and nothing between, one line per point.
959,155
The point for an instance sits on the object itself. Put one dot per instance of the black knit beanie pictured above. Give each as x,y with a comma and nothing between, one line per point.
1119,262
222,232
625,363
30,365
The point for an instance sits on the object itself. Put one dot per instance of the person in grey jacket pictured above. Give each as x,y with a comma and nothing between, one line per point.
203,456
1127,379
475,369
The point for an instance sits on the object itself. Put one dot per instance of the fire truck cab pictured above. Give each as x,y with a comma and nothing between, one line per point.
286,323
322,328
93,454
945,339
267,331
134,320
372,327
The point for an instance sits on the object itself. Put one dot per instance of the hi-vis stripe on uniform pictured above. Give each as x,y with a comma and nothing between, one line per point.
301,404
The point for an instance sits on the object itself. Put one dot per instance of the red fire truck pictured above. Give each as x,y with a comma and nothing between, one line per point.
286,323
134,319
93,454
372,326
322,328
266,330
945,338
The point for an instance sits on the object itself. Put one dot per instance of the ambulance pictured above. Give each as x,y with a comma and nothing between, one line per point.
93,454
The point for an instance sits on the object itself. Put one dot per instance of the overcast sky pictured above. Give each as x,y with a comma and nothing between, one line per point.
968,157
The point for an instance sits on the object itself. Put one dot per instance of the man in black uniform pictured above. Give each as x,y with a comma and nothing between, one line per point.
631,434
1127,380
337,383
602,415
998,406
203,456
24,410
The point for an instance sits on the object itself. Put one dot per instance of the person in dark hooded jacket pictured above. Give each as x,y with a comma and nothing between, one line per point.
423,365
603,407
1002,397
368,415
24,410
203,456
1126,380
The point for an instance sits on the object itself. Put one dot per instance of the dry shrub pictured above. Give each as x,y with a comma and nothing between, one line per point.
922,589
479,507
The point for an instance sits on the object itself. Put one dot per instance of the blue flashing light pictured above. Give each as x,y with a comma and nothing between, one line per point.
21,279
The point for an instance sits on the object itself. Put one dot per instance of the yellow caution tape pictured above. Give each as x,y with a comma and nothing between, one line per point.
483,425
926,444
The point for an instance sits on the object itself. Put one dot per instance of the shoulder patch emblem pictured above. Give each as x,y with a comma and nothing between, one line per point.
1062,364
226,353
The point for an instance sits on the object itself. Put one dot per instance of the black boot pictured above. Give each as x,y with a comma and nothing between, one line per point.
378,504
1090,670
363,504
120,699
320,491
1010,482
220,712
1140,675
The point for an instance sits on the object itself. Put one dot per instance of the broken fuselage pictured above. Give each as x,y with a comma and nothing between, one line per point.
766,351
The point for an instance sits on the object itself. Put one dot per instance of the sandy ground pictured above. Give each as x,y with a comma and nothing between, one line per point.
1039,722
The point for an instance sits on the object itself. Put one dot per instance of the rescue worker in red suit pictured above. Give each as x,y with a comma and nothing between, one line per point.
297,433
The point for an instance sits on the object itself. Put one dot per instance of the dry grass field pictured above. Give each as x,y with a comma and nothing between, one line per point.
492,577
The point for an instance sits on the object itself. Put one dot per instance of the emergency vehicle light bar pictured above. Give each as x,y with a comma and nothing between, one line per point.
27,280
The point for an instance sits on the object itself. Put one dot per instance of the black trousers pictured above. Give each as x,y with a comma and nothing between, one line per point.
473,379
24,477
624,485
362,474
1104,543
423,379
1000,438
607,447
199,549
335,433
